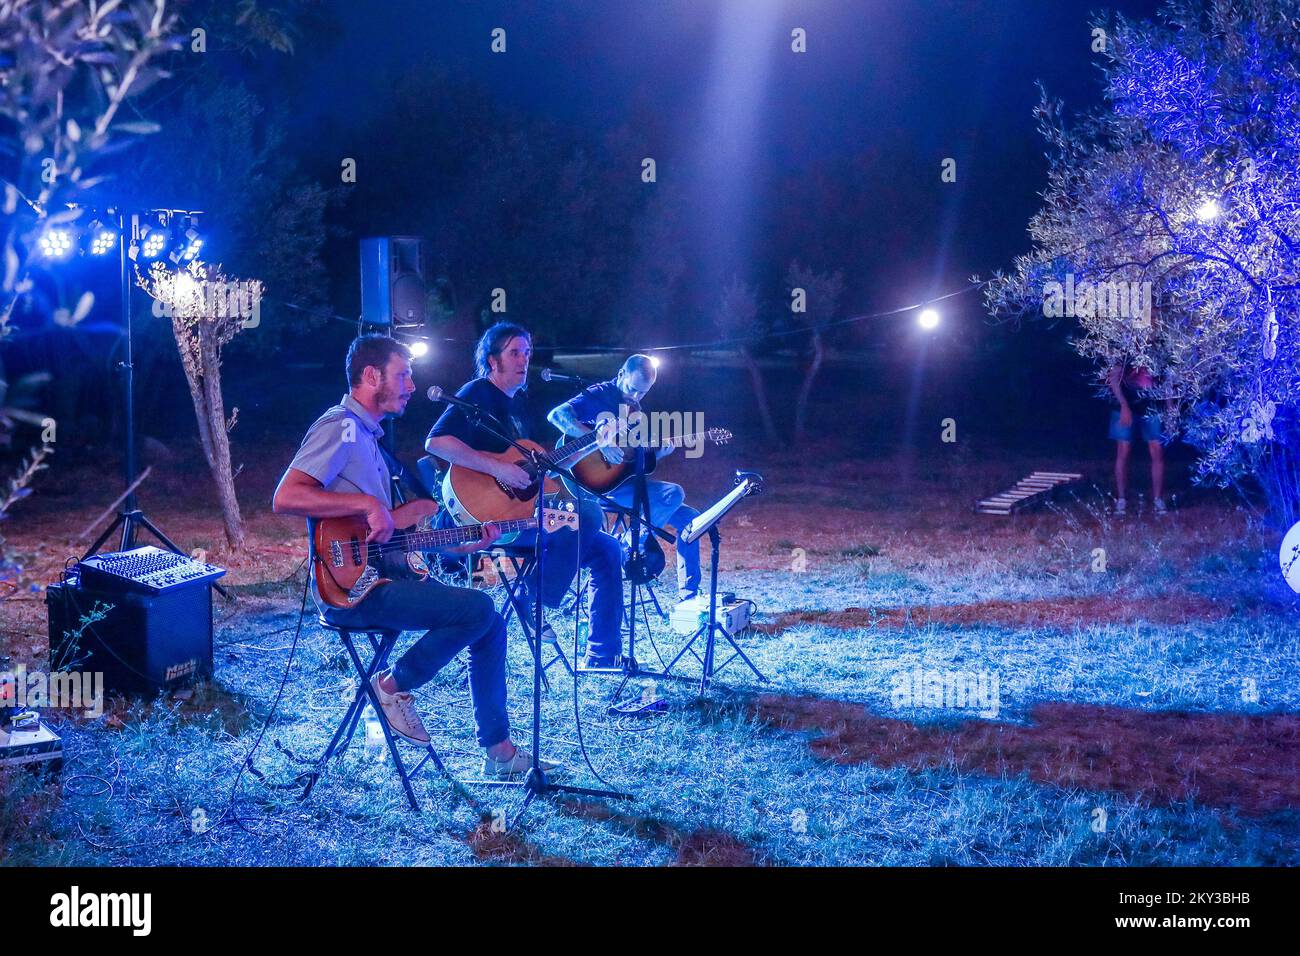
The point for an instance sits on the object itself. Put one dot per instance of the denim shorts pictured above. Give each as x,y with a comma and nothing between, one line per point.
1149,424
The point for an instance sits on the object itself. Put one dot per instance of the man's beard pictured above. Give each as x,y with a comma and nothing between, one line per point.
386,394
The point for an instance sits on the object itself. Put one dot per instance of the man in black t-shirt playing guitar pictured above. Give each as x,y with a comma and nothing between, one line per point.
580,414
501,360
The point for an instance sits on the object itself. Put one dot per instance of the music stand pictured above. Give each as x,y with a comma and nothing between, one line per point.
534,783
747,483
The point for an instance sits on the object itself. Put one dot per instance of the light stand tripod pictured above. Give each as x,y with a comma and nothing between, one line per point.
539,467
747,483
131,517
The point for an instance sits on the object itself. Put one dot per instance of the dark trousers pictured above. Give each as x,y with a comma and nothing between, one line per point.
452,619
667,507
598,552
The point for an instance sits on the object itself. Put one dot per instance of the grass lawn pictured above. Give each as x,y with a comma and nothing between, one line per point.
1144,713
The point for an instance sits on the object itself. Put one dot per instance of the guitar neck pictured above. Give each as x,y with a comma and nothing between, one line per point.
679,440
464,534
569,449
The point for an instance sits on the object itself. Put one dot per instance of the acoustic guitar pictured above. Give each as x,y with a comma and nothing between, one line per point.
347,567
595,474
473,496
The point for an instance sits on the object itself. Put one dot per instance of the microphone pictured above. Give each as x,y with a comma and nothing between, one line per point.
550,375
437,394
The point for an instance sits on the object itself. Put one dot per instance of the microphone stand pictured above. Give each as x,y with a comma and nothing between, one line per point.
535,783
637,515
562,377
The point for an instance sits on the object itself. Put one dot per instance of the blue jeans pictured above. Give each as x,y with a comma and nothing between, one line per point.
452,619
601,555
1148,423
667,507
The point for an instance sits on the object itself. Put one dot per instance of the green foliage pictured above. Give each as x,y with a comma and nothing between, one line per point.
74,68
1187,181
566,227
12,577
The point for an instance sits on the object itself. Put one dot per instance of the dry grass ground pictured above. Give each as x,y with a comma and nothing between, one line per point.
1156,695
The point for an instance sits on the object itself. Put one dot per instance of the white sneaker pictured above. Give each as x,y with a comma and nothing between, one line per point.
399,710
1121,506
516,766
549,636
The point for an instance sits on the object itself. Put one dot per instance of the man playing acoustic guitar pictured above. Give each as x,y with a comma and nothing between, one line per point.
338,472
579,415
501,360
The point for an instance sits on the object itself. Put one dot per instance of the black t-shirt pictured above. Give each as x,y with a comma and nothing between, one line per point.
588,404
510,412
1139,401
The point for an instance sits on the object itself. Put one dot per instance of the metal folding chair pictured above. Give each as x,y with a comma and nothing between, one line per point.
382,641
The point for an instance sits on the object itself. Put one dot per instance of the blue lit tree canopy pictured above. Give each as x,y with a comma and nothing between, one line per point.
1189,181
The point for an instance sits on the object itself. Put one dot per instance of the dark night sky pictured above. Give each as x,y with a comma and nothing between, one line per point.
904,83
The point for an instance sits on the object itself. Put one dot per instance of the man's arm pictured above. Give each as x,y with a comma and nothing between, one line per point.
562,417
565,419
300,494
1113,380
452,449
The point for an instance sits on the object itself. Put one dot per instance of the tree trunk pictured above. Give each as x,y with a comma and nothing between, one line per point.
760,396
219,458
805,390
203,375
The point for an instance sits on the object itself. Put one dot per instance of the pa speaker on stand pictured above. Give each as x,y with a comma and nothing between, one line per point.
394,283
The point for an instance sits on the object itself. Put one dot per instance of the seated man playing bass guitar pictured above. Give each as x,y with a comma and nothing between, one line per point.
340,472
579,415
501,360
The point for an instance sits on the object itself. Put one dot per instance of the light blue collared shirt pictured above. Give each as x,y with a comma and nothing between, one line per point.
341,451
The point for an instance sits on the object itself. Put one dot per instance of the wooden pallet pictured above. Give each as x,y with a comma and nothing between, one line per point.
1028,492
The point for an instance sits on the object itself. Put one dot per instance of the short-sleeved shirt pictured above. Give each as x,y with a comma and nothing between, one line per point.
588,405
341,451
510,412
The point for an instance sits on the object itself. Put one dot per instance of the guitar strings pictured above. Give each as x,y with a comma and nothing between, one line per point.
455,536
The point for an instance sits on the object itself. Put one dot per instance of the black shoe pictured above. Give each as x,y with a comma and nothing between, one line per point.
604,664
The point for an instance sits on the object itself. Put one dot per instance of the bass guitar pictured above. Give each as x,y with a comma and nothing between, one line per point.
347,568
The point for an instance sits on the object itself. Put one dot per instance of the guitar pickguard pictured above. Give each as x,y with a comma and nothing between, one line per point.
369,578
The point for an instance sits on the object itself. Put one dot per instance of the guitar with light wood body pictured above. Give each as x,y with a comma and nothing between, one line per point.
474,496
595,474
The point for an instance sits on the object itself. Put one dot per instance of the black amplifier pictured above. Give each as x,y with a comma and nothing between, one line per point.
145,643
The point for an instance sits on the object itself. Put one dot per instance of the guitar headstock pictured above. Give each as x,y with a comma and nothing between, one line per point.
553,519
752,480
719,436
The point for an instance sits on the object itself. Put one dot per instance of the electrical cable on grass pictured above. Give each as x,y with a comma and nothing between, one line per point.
247,763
